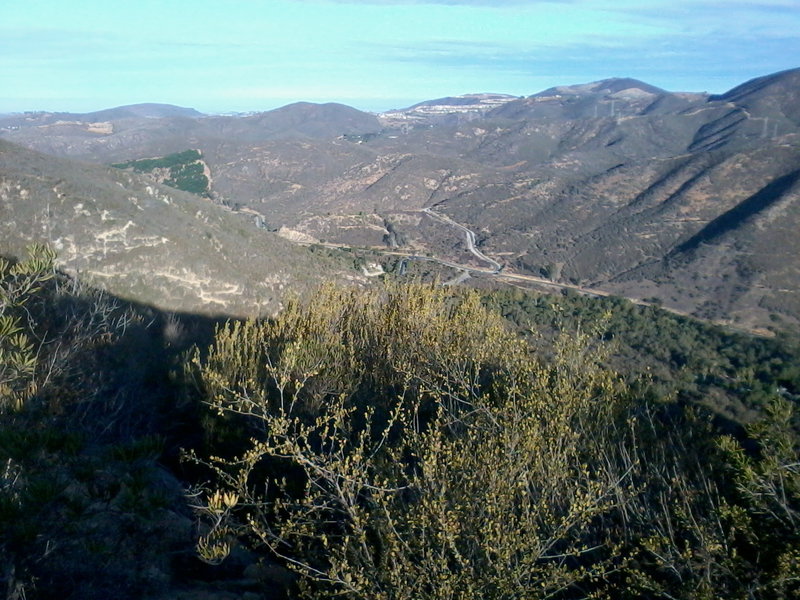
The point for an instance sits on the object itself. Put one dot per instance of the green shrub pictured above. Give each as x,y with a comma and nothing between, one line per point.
19,282
404,444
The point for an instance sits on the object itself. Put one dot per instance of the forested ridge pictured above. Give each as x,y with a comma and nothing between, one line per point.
401,441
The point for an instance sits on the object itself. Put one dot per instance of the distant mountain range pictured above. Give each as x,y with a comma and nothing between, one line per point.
687,199
133,111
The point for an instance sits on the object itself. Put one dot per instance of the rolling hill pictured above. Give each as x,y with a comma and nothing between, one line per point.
151,243
686,199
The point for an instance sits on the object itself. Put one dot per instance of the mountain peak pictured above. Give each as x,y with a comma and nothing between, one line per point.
465,101
623,86
776,82
143,111
775,97
447,109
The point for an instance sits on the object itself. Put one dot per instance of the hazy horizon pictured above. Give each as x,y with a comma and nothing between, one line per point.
375,55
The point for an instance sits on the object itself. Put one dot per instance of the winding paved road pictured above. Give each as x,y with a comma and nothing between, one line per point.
470,237
497,271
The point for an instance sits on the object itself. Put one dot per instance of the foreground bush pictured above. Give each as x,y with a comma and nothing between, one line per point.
19,283
402,443
85,510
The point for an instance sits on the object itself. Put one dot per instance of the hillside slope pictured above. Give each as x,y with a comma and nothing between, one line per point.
685,198
147,242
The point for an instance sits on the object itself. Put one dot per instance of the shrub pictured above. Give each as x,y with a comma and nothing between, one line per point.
19,282
403,444
81,496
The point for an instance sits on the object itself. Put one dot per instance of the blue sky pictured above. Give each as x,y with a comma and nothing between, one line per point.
244,55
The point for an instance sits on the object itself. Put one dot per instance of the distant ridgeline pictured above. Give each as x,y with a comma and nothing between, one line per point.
182,170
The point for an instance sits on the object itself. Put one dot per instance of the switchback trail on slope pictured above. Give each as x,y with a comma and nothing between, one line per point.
497,271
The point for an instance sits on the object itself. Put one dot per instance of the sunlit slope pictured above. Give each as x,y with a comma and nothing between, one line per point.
146,242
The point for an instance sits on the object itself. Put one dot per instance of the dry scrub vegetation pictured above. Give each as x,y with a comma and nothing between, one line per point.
403,443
